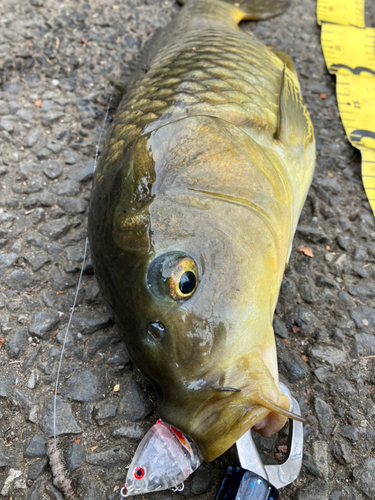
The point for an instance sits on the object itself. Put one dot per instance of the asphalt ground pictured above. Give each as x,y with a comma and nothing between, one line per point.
56,59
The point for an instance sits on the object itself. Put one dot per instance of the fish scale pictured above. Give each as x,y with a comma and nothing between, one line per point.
178,63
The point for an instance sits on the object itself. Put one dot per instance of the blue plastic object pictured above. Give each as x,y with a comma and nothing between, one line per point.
241,484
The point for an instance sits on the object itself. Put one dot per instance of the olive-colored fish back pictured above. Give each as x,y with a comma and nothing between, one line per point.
211,69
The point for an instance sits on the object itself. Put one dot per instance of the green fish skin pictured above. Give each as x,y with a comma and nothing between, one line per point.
195,203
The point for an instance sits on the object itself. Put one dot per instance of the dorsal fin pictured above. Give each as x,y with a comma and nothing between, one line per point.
293,124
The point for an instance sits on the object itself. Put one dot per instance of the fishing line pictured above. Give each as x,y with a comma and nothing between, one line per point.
102,130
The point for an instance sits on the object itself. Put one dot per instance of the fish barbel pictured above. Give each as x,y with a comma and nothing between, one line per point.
194,206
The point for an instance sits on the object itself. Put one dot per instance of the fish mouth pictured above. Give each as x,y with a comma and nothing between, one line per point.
221,423
225,413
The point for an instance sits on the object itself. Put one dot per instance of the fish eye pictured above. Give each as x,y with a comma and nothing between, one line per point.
173,275
183,280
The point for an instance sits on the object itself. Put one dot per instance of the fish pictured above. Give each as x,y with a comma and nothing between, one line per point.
195,202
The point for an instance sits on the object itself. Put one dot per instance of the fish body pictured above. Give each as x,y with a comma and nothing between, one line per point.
194,206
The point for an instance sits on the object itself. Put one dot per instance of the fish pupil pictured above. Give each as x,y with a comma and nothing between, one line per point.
187,282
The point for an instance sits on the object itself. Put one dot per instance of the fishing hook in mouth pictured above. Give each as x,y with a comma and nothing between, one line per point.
229,389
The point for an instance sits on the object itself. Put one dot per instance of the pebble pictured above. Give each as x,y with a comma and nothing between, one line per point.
33,380
56,229
134,404
44,154
360,270
364,344
35,493
52,169
12,476
202,479
105,412
292,370
56,213
86,386
7,380
12,88
43,323
307,321
66,188
312,234
7,125
36,468
8,259
320,454
331,355
53,492
33,79
342,452
82,173
73,206
318,489
340,386
350,432
61,283
94,490
36,260
13,107
22,400
46,199
70,157
19,281
364,476
4,108
33,138
322,373
32,358
279,328
89,322
364,293
51,117
119,356
131,430
36,447
17,342
65,423
75,456
25,114
363,317
325,416
108,458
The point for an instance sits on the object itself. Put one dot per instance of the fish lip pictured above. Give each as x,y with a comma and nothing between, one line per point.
226,415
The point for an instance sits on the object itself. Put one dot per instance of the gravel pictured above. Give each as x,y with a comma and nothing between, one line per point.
56,60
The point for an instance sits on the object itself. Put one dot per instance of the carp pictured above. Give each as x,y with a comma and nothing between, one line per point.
195,202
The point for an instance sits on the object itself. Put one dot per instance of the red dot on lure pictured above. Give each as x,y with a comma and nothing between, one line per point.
139,473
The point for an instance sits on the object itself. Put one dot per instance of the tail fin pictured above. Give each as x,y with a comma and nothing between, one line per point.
253,10
261,9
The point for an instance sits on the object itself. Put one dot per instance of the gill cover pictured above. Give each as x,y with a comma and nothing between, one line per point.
164,459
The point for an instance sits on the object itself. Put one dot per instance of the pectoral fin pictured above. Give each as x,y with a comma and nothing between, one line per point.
286,59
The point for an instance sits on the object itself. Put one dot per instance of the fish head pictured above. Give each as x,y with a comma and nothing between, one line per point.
192,245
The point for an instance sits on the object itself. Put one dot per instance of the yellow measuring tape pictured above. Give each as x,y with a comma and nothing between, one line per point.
349,51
